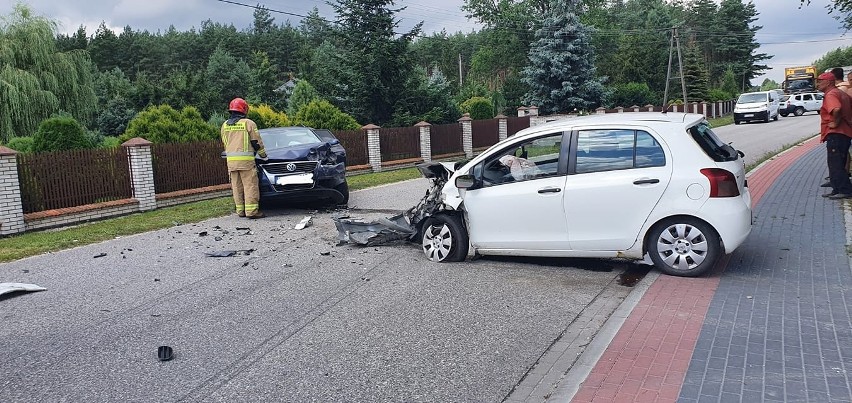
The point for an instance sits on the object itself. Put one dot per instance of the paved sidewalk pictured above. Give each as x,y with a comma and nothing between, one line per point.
771,324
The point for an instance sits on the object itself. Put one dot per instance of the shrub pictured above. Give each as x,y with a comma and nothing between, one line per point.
109,142
303,94
164,124
630,94
265,116
478,107
23,145
717,94
321,114
113,119
60,133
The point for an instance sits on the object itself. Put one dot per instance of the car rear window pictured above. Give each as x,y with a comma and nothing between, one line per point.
715,148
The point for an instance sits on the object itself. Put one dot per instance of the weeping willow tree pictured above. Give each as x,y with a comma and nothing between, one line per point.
36,80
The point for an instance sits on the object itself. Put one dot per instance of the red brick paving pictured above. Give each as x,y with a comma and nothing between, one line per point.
648,358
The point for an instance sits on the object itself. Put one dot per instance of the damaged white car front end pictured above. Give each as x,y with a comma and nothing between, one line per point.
435,217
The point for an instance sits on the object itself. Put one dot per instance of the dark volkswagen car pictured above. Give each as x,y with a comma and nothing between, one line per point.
304,164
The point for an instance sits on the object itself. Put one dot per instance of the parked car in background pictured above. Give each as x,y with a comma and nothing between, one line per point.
783,106
798,104
600,186
761,106
303,165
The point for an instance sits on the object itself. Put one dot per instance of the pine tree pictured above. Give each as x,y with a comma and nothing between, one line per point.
561,73
36,80
695,75
378,55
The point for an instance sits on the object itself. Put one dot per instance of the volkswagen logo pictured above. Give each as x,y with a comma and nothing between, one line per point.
291,167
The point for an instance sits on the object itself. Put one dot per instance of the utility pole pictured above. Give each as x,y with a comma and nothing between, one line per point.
461,84
674,44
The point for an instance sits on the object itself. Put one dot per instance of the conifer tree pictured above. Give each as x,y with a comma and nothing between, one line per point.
561,73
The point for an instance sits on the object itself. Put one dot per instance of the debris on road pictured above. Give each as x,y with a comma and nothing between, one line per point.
15,287
100,255
306,222
401,226
165,353
229,253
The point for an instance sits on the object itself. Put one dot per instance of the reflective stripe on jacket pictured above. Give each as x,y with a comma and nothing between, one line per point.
237,140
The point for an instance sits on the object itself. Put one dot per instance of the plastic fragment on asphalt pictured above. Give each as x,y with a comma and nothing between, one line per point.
306,222
14,287
229,253
99,255
375,232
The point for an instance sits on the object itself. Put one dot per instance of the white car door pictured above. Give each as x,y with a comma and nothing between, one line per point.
520,204
817,101
619,178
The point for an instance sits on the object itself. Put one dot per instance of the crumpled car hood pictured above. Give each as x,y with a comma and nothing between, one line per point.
302,153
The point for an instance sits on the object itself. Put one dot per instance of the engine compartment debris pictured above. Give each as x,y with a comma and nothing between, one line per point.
402,226
6,288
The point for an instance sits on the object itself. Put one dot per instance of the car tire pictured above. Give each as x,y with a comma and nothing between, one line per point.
444,238
736,122
684,246
799,111
784,114
775,118
343,188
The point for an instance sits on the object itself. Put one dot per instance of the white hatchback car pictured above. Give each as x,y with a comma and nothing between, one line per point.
602,186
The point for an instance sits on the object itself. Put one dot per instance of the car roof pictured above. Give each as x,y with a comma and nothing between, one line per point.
626,118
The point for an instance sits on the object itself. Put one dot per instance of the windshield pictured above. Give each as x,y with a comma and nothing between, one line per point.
805,84
281,137
751,98
711,144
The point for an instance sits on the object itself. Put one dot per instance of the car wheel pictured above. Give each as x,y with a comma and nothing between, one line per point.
775,118
444,238
684,246
799,111
784,115
343,188
736,122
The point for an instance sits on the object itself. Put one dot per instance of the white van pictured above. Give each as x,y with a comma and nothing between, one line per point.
761,106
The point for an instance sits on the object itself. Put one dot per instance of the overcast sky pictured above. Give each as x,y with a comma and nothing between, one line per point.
794,36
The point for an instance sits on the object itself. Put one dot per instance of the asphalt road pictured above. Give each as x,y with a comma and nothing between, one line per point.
297,317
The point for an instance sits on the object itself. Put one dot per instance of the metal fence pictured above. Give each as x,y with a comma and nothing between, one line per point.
355,143
182,166
73,178
446,139
485,133
514,125
399,143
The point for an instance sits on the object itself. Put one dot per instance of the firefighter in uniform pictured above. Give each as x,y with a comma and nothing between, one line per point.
242,141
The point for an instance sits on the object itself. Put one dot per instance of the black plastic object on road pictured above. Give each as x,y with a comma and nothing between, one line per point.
165,353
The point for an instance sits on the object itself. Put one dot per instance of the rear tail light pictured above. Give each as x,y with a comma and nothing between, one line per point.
722,182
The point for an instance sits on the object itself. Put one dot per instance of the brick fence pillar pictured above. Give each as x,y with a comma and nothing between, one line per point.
467,135
635,108
141,172
11,208
502,127
650,107
600,110
374,149
704,108
425,141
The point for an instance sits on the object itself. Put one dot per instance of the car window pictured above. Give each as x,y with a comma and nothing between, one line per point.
532,159
288,137
711,144
752,98
806,97
613,149
818,97
325,135
785,99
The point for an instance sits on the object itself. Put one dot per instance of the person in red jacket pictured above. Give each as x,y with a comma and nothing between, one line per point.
836,132
242,141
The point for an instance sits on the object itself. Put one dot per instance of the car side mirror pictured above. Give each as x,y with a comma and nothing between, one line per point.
465,181
333,142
